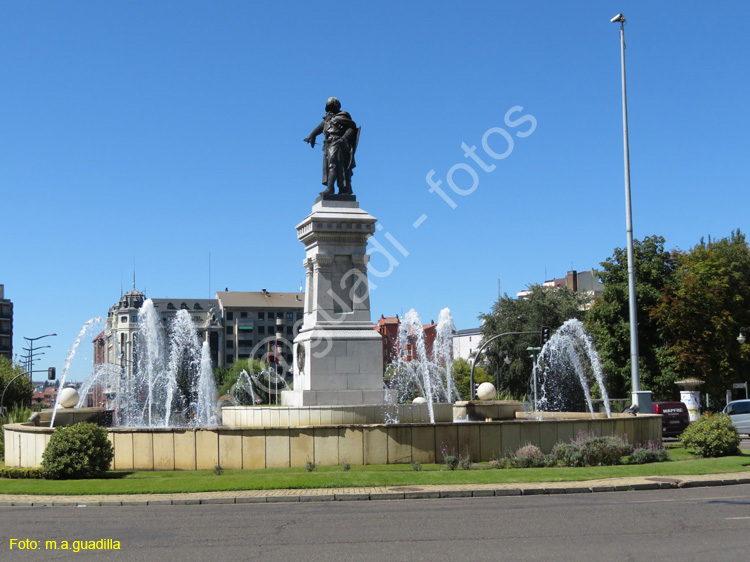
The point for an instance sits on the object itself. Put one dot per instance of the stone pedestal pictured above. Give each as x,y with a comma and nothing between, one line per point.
338,354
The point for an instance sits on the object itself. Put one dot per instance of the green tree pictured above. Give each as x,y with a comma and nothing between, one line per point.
542,307
609,319
226,379
20,392
702,312
461,373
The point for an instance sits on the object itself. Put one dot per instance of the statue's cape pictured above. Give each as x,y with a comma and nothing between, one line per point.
343,118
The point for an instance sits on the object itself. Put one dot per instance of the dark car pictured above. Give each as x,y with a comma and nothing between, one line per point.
674,419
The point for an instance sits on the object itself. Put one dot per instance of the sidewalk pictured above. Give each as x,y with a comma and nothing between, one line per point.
382,493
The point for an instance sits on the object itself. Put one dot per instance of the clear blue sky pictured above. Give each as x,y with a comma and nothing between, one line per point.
146,135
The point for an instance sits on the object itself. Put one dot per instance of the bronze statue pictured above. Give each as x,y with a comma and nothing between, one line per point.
339,145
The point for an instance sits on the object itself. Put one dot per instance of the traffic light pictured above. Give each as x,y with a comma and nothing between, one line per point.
546,334
51,374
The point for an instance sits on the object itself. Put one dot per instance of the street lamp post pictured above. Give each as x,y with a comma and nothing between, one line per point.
31,352
7,386
28,357
641,398
472,393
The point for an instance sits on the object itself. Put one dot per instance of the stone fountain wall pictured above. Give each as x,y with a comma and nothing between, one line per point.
272,447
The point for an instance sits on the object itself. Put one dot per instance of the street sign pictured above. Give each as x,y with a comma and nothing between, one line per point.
739,385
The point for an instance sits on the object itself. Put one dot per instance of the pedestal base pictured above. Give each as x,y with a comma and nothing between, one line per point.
301,398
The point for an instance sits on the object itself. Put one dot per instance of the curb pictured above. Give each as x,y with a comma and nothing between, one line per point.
385,495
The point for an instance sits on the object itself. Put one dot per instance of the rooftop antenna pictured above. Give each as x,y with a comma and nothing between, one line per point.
209,275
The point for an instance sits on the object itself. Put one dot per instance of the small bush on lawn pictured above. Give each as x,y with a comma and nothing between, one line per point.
651,452
568,454
450,457
589,450
713,435
529,456
605,451
77,451
20,473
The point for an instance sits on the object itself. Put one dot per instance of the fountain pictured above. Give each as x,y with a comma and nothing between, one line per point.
419,372
567,365
85,329
171,385
337,408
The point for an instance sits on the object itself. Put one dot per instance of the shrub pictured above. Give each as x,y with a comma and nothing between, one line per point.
605,451
713,435
451,461
568,454
651,452
218,470
20,473
416,466
589,450
77,451
345,466
310,466
450,457
528,456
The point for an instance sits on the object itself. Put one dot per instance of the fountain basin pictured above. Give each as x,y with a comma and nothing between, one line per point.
486,410
294,416
330,445
71,416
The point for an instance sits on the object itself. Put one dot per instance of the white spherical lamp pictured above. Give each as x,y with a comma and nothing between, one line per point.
68,397
486,391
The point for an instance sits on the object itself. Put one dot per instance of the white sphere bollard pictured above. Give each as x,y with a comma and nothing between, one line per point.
68,397
486,391
419,400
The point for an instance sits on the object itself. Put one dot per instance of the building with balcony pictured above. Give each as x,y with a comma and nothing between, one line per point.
252,321
237,325
117,345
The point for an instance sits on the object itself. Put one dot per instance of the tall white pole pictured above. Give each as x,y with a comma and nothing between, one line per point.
633,316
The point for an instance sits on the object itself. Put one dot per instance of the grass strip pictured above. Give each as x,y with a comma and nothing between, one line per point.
361,476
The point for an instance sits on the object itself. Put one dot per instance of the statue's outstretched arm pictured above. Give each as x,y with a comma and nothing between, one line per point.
316,131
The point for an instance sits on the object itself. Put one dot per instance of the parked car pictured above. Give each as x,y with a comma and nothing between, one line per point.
674,417
739,412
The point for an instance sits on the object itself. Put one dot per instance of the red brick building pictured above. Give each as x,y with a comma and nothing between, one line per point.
388,327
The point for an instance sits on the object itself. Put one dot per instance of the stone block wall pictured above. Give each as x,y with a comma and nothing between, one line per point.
272,447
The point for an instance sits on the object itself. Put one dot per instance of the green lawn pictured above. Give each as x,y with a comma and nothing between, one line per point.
362,476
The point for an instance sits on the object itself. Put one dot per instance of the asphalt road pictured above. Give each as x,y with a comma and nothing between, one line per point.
706,524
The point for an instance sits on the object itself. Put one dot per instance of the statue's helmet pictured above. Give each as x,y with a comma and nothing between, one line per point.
333,104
